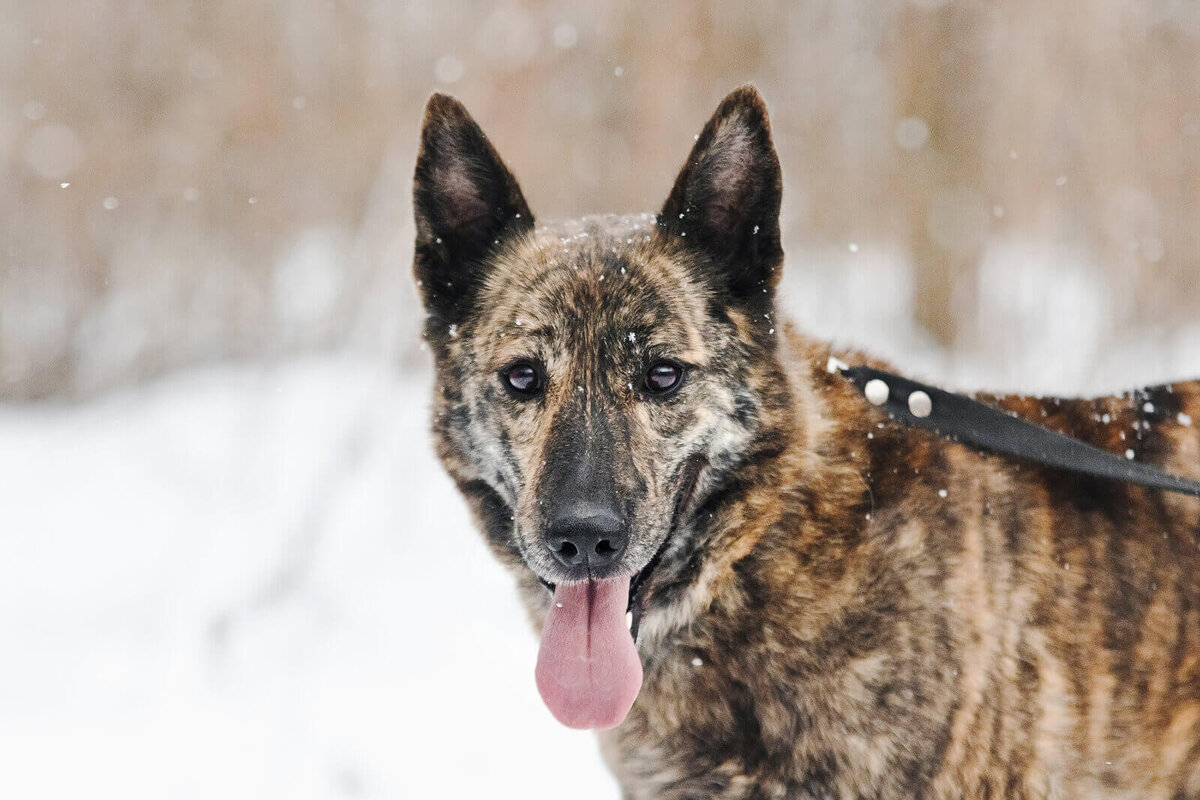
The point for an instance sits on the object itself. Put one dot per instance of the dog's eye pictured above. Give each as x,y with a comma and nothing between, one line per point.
522,378
663,377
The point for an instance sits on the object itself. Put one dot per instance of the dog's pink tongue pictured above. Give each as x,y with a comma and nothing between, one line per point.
588,670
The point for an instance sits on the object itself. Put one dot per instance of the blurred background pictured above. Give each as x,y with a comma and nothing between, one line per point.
230,566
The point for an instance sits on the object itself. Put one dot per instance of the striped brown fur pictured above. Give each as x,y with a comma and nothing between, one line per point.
842,607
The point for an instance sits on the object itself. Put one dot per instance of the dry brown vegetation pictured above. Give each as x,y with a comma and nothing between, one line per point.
237,172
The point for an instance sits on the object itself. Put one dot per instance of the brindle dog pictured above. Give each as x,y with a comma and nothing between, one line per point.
827,604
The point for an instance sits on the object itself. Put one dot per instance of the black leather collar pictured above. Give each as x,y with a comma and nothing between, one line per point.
991,429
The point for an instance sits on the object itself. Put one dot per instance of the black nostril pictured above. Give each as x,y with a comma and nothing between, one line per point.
586,538
566,552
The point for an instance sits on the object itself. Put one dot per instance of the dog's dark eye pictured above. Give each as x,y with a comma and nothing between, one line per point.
663,377
522,378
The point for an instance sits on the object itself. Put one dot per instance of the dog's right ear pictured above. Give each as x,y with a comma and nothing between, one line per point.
465,202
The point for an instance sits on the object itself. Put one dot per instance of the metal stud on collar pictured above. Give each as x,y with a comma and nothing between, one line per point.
920,404
877,392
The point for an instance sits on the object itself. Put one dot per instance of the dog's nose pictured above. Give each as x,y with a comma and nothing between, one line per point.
587,536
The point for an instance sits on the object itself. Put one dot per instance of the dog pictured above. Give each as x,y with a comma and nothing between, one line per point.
826,603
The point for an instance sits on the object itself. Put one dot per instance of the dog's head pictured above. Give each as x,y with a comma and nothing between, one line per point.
597,380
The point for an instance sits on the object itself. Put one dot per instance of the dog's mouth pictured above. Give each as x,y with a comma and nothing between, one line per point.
588,670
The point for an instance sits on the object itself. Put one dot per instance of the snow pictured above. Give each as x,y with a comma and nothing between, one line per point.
835,365
257,582
1033,320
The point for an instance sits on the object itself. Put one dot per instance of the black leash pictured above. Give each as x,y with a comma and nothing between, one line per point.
982,426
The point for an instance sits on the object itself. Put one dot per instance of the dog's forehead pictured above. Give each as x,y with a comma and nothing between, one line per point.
583,283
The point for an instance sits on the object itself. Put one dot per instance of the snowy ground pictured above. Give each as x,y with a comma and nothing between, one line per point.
249,582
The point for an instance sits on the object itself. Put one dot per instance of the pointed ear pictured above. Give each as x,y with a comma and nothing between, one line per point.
726,199
464,200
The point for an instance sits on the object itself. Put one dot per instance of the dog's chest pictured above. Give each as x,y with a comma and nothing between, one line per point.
718,723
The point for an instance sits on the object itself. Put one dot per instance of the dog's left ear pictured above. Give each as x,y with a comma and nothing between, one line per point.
465,201
726,199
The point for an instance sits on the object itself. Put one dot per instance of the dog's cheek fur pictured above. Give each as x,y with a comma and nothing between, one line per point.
741,422
487,441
